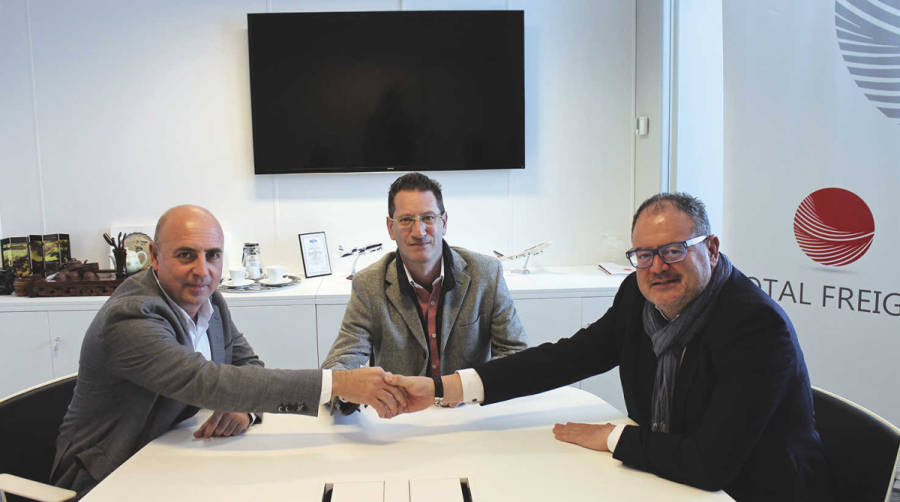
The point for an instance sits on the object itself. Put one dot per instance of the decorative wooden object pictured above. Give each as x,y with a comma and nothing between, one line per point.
41,287
75,279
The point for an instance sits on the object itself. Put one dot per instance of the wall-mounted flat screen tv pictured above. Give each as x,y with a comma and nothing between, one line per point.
386,91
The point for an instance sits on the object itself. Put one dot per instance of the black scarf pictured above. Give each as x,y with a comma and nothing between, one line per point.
670,338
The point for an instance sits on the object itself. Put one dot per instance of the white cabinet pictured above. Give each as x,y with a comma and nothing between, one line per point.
328,322
593,308
25,339
292,328
608,385
283,336
549,319
67,329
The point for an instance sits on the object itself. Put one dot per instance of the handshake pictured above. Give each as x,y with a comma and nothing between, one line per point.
389,394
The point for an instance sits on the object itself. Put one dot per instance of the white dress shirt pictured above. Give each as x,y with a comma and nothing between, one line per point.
415,284
197,331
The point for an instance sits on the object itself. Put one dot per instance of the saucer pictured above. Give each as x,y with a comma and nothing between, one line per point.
278,282
241,284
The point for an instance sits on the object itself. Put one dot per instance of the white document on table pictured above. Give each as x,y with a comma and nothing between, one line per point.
362,491
435,490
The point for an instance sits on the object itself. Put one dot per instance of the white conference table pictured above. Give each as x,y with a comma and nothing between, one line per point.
506,450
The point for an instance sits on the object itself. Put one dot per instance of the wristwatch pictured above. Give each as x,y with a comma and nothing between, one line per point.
438,391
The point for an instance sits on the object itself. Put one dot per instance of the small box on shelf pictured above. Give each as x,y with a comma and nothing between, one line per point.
4,253
18,256
36,254
52,257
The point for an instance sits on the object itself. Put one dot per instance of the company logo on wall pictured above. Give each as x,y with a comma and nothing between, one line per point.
834,226
869,38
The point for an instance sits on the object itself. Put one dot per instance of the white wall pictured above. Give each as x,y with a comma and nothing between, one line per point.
114,111
797,122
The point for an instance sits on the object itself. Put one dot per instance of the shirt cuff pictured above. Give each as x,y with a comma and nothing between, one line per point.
325,396
472,387
613,439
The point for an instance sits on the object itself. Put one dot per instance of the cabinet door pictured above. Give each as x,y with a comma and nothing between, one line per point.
593,308
606,386
283,336
328,322
549,319
67,330
25,359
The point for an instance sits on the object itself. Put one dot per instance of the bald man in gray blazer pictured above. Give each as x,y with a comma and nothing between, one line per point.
164,345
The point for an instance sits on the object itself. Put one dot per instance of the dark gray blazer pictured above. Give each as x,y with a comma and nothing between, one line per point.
742,412
139,375
478,320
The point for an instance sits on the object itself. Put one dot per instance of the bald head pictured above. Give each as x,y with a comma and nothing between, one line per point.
186,254
185,217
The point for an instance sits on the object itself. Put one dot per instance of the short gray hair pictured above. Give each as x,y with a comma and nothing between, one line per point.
686,203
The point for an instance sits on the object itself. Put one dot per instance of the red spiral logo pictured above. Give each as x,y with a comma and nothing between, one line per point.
834,226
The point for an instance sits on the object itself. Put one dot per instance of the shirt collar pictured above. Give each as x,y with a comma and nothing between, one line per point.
413,283
203,315
447,265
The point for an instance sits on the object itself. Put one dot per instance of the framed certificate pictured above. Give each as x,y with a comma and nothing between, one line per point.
314,252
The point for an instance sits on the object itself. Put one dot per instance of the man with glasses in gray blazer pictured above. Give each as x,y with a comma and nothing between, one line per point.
427,309
164,345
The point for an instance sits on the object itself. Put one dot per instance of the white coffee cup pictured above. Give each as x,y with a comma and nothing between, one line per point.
236,274
274,273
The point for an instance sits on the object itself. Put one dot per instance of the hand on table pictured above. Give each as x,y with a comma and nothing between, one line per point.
591,436
223,424
369,386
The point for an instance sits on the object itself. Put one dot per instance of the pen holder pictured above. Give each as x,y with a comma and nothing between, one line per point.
119,255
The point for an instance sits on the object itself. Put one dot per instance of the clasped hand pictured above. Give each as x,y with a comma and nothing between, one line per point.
389,394
370,386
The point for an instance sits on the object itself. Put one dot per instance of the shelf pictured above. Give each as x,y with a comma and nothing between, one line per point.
542,282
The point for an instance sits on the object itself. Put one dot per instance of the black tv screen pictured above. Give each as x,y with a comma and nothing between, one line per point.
383,91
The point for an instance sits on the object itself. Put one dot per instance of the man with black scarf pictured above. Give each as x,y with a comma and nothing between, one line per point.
711,369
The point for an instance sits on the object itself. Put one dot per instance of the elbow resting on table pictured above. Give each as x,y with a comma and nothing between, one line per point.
714,478
691,469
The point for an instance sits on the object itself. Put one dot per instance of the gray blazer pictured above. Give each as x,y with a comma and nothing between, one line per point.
139,375
478,321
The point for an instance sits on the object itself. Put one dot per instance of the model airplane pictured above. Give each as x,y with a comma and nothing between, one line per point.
371,248
527,253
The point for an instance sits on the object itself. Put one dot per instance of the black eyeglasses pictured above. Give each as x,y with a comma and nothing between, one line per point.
673,252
